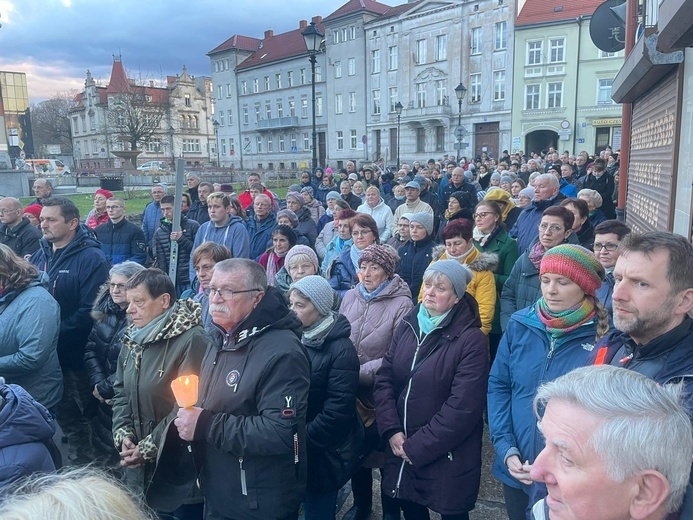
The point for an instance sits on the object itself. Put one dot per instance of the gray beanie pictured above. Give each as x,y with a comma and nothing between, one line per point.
333,195
295,187
458,274
506,178
495,176
425,219
318,291
527,192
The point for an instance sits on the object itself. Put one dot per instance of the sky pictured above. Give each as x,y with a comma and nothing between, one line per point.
55,41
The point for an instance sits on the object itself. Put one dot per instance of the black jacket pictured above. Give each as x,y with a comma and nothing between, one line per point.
254,394
198,212
307,226
122,241
605,186
162,248
334,383
76,273
415,257
353,201
23,239
101,357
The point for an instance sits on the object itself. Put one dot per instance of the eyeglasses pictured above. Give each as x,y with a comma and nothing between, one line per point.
4,211
119,286
227,294
553,228
482,214
364,233
608,246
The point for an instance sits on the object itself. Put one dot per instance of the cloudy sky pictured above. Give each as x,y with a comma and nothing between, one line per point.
55,41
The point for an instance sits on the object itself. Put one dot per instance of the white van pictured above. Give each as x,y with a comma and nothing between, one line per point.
46,166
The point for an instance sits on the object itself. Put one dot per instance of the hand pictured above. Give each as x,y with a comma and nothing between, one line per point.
175,235
187,421
130,455
96,394
518,470
397,444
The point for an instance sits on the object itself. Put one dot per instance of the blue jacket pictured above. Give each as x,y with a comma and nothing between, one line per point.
342,274
604,294
567,189
122,241
75,275
526,229
526,358
25,426
150,221
29,326
233,235
260,234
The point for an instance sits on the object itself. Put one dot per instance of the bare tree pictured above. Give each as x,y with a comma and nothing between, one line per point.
135,116
50,122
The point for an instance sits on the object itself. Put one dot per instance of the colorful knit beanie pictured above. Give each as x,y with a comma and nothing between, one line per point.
576,263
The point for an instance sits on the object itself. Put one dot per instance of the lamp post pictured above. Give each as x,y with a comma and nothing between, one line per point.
216,139
313,39
460,91
398,109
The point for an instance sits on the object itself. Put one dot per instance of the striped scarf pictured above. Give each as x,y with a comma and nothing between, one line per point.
563,322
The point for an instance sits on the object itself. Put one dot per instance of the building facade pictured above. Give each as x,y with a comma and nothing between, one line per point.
563,82
15,119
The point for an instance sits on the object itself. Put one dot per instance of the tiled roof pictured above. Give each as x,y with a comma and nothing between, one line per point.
397,10
538,11
119,82
239,42
353,6
278,46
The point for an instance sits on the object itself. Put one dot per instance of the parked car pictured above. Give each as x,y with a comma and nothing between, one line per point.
153,165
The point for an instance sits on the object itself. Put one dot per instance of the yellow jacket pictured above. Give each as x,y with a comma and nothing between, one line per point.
483,284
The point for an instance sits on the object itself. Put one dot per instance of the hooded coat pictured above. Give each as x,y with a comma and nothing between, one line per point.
250,436
442,422
25,429
382,214
233,235
76,272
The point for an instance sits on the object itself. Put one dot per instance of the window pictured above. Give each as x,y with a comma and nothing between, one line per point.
441,92
441,47
232,146
228,90
244,87
421,95
554,95
223,146
257,112
393,98
420,139
278,80
258,144
75,125
338,109
476,40
337,69
475,88
304,107
534,50
92,122
256,86
154,145
187,100
281,143
499,85
420,52
556,50
290,78
352,101
268,110
335,37
230,113
532,93
344,34
292,141
501,35
267,83
352,32
303,76
292,108
351,63
280,108
318,105
84,124
220,92
392,58
245,116
375,96
375,61
340,140
306,141
352,139
318,74
191,145
270,144
604,96
221,118
440,138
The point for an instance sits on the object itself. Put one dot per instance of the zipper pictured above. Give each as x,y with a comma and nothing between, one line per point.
363,322
550,354
244,483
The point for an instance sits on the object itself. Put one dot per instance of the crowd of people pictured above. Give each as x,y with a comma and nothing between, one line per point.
370,320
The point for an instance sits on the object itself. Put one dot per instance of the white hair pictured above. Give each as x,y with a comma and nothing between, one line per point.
645,426
550,177
593,195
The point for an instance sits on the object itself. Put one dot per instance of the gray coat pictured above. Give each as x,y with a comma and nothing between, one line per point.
521,289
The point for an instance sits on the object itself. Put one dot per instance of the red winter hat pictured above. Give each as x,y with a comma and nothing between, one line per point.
34,209
103,192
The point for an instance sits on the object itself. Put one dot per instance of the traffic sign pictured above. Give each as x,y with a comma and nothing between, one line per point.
294,149
364,139
460,132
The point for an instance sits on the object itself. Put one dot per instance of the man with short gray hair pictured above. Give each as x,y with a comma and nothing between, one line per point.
618,446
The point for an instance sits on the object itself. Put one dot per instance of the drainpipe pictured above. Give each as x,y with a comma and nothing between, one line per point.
626,117
578,20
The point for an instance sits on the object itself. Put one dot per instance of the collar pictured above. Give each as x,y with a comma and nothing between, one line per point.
660,345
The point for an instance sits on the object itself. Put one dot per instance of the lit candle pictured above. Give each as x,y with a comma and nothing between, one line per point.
185,390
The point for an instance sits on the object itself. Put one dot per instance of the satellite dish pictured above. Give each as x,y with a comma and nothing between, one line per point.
607,26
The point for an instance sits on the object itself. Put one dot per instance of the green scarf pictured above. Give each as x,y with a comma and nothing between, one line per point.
427,322
563,322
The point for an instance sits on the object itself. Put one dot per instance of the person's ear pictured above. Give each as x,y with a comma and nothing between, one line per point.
685,304
653,490
166,300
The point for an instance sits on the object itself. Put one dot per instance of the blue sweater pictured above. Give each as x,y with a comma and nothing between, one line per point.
233,235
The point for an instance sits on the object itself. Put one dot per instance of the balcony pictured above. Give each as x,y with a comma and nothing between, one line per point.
278,123
419,113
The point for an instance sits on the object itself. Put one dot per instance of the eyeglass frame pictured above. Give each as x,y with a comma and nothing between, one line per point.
119,286
552,228
597,247
213,290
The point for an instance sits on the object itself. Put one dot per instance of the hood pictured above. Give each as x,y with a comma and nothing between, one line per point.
233,220
41,281
104,305
476,260
271,313
22,419
81,241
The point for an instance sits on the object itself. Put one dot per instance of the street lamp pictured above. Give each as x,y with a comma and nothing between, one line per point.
460,91
398,109
313,39
216,139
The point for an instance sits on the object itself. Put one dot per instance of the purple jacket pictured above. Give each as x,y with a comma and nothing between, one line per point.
444,405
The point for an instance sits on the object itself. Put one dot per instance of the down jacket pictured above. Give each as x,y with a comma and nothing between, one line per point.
483,284
122,241
162,248
442,422
101,358
307,226
374,322
526,358
382,214
415,257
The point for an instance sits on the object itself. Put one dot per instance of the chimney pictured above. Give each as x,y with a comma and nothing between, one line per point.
317,20
151,82
268,34
302,24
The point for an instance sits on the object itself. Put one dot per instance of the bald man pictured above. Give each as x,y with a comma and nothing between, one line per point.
16,232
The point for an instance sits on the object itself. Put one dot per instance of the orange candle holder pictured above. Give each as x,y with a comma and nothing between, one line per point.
185,390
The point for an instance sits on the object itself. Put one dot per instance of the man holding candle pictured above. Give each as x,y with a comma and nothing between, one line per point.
249,427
